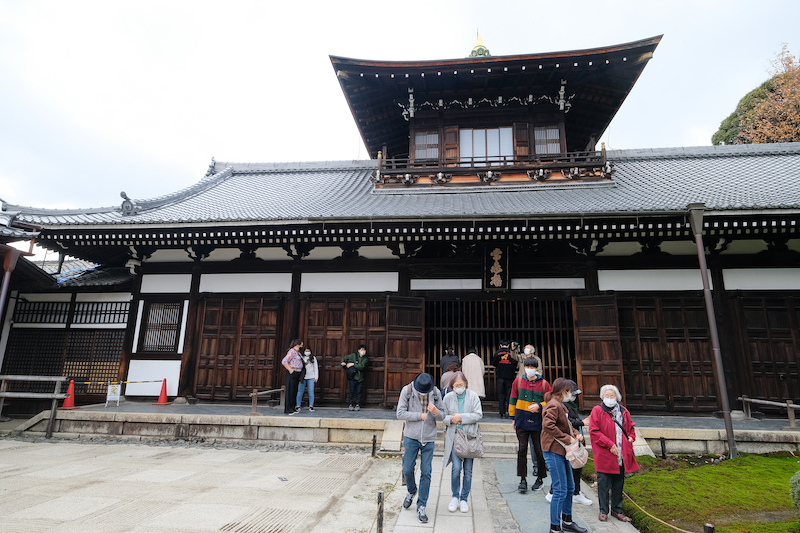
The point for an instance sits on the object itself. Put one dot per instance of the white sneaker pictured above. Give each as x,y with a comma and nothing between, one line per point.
464,506
580,498
549,496
453,505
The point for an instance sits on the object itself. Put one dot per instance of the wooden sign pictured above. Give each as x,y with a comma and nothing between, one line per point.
495,273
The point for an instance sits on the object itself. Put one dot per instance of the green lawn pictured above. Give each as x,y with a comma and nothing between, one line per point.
749,494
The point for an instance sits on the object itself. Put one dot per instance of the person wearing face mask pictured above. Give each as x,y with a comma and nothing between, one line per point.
557,434
577,422
354,365
527,351
525,407
309,379
420,406
463,408
612,433
293,364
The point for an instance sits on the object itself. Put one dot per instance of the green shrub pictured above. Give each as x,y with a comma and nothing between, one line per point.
795,484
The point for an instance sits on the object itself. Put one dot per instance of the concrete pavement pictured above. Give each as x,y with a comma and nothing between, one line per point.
85,487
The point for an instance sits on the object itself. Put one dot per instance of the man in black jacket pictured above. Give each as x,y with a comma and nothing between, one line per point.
505,370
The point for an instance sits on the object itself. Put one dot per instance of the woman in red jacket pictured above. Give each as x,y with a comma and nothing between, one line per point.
612,434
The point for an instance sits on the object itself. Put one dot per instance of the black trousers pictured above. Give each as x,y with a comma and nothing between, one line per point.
289,400
503,394
576,476
522,453
614,483
354,391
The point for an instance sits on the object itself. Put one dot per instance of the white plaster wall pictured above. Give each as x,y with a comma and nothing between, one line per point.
169,256
273,254
650,280
349,282
764,279
166,283
745,247
224,254
247,282
324,253
144,370
376,252
104,297
617,249
445,284
44,297
547,283
679,247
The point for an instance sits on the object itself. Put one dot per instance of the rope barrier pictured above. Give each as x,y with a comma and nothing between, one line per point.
625,494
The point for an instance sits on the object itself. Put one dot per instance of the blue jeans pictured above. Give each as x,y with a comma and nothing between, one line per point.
563,486
455,476
425,451
301,388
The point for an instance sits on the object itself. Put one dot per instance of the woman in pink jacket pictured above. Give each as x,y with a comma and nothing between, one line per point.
612,435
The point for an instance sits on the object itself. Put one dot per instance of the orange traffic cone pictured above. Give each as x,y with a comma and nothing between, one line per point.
162,398
69,401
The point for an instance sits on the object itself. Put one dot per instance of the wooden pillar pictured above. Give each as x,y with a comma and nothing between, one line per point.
294,300
193,335
727,338
592,283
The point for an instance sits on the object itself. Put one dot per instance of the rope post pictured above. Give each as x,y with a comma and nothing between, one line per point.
708,528
790,412
255,402
375,443
746,406
380,511
663,447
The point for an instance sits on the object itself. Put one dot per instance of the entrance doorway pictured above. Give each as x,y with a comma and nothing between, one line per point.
546,324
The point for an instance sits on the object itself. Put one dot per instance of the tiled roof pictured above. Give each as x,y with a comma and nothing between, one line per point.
749,177
101,277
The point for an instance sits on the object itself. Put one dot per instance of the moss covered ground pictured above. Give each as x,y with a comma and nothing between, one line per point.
748,494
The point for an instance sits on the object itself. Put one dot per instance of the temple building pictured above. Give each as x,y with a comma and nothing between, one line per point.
486,211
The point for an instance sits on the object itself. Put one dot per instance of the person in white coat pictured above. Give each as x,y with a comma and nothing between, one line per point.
473,368
463,408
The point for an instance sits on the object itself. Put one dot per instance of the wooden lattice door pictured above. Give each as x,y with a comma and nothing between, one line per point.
238,347
597,346
405,344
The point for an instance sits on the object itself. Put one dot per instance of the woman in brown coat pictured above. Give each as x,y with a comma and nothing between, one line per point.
556,434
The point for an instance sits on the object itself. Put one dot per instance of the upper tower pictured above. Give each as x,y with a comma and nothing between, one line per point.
531,114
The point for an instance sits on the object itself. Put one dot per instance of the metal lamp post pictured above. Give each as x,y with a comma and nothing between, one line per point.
696,219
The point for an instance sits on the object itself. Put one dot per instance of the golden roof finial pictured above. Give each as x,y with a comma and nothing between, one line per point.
479,50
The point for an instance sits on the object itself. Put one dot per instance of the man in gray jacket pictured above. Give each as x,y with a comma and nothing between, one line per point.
420,405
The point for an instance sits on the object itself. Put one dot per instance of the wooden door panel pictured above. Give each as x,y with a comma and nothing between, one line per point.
237,347
770,334
405,344
597,346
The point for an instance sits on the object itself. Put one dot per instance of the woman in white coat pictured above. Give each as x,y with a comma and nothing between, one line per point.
463,408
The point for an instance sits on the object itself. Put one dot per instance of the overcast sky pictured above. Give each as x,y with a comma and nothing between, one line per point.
137,96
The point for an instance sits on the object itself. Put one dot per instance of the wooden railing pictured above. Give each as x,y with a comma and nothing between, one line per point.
789,405
572,164
55,395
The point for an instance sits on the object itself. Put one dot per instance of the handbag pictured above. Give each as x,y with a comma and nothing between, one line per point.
576,452
468,446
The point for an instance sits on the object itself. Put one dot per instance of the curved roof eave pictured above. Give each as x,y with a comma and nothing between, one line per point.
650,42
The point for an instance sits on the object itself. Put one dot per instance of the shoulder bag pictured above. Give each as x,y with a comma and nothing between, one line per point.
576,453
468,446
